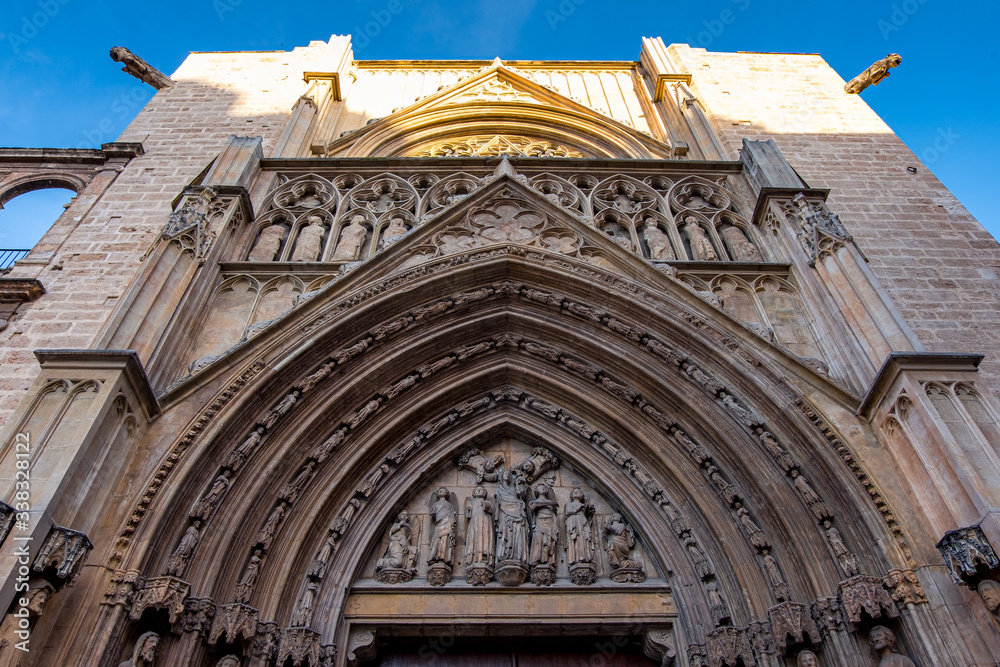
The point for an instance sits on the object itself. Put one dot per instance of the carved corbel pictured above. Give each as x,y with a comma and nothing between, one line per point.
122,587
168,593
7,514
792,619
727,645
962,549
187,224
300,645
236,621
198,614
362,645
863,592
65,550
658,645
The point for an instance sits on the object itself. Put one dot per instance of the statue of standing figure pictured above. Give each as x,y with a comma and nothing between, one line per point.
544,537
883,643
657,241
310,240
351,239
701,247
580,539
442,544
268,243
479,543
739,247
512,529
393,232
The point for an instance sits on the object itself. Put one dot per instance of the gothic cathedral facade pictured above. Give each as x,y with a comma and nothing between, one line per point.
333,362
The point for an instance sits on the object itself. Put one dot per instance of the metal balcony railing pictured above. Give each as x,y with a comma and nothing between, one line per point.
10,255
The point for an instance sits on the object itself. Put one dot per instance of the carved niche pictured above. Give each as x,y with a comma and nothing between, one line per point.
962,549
509,512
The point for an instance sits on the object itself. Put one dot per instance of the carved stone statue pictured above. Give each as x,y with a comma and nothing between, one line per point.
701,246
399,563
442,544
806,659
484,468
657,241
238,456
310,241
185,548
883,642
266,534
818,506
393,232
268,243
778,584
716,603
244,589
540,461
512,529
739,247
304,612
317,568
351,238
206,505
228,661
140,69
144,652
848,562
479,554
544,537
580,539
619,541
873,75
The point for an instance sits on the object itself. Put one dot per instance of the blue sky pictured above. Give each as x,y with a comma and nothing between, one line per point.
61,89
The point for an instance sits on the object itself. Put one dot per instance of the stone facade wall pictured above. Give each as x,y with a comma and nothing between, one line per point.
97,244
936,261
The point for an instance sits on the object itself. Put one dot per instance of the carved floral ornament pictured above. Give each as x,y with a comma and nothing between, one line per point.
495,146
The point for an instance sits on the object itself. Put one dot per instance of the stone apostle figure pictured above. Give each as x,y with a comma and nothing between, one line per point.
267,244
657,241
442,545
479,533
701,247
883,642
351,239
395,231
310,241
989,591
741,249
806,659
579,537
144,652
511,518
546,533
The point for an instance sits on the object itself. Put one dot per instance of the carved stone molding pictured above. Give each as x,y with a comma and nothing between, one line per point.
904,587
65,550
165,593
963,548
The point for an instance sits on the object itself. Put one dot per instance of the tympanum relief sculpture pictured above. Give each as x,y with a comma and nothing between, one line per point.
512,515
